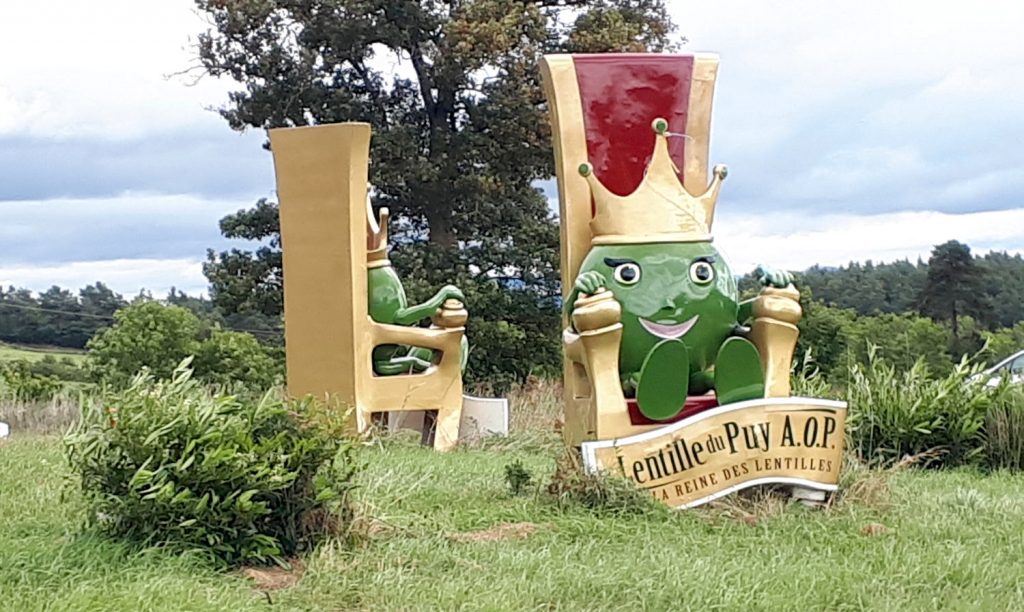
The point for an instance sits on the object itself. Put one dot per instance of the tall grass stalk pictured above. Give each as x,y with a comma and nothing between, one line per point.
1004,431
55,415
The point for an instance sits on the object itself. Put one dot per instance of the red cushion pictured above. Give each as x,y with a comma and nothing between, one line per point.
694,405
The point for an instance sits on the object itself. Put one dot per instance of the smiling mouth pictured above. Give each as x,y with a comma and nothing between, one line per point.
669,331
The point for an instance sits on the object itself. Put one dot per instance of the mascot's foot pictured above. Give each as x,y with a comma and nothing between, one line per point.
738,374
664,380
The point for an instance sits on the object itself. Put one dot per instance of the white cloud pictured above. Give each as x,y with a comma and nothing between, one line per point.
98,68
148,226
125,276
797,242
805,85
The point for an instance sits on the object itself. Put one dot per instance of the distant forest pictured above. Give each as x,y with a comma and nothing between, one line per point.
62,318
940,310
899,287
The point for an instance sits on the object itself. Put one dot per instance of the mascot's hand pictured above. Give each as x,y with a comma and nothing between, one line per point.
589,283
772,277
449,292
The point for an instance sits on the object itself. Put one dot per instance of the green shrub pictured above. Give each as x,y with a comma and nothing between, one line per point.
1004,431
807,380
144,335
894,413
518,477
166,463
1004,342
19,381
64,369
230,358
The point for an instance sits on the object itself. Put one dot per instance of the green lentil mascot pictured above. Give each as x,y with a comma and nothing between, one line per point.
684,329
388,304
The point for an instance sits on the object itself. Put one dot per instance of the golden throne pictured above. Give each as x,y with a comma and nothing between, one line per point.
598,104
329,335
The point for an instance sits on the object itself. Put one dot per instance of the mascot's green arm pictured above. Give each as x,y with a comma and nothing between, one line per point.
412,315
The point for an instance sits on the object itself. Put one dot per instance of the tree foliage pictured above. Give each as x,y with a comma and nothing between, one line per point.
839,337
953,286
452,91
158,337
144,335
995,279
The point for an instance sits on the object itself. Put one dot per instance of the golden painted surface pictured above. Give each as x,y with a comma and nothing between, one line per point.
774,332
376,236
661,209
796,441
698,124
570,143
322,185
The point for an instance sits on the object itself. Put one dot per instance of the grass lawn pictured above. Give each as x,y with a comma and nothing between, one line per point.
952,540
11,352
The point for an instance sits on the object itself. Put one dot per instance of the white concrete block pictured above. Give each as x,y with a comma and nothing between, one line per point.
481,416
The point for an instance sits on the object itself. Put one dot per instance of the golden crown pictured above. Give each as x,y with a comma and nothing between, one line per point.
661,209
376,236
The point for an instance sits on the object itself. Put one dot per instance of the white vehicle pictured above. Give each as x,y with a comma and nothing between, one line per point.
1012,366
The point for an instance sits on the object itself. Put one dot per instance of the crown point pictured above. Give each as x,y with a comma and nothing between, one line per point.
721,171
585,169
660,126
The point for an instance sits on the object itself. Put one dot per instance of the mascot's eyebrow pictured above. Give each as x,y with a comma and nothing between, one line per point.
611,261
708,258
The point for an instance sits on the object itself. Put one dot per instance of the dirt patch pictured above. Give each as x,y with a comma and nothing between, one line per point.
274,578
504,531
874,529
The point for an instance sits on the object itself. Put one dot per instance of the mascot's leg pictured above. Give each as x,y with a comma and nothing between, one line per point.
664,380
426,356
738,374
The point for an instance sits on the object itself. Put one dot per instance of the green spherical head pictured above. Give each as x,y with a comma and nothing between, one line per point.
681,291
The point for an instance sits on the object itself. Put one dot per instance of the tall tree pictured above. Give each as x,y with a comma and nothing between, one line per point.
954,284
451,88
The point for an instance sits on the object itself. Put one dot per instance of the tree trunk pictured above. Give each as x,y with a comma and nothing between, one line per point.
440,227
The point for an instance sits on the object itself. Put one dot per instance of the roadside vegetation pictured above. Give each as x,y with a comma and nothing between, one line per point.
143,505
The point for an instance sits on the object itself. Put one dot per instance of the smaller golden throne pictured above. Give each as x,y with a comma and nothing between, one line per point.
329,335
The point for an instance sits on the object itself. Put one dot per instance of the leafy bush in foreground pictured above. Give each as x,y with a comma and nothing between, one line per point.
893,413
166,463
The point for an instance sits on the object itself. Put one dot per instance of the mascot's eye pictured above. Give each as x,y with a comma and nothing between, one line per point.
627,273
702,273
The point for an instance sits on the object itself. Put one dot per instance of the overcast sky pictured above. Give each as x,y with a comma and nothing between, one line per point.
852,130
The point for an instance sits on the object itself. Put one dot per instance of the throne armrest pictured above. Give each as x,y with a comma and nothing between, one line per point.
595,346
774,332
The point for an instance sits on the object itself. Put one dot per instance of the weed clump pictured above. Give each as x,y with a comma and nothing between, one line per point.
167,463
518,477
601,492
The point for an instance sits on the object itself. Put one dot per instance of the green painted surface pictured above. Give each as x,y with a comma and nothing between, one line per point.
673,291
388,304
